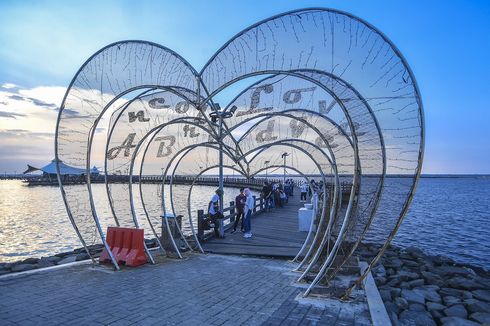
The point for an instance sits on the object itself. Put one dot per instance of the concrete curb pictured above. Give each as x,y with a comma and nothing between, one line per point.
44,269
379,315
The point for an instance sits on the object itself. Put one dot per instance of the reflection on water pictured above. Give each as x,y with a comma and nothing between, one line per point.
448,216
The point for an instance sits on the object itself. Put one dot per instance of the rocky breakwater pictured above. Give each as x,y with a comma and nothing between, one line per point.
78,254
418,289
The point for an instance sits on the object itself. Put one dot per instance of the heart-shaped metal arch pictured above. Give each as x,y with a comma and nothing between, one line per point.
318,45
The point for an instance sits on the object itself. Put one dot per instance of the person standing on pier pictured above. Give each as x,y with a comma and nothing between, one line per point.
304,190
214,212
267,195
248,209
239,207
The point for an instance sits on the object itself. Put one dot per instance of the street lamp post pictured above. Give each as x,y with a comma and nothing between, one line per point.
218,116
266,166
284,155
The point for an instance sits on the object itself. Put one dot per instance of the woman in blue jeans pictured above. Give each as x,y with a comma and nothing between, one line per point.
249,206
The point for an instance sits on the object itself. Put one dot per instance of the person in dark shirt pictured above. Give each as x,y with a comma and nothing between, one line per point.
267,195
239,206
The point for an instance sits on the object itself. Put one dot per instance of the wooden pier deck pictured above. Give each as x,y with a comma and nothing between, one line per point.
275,234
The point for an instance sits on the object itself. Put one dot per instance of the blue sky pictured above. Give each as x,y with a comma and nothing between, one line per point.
43,43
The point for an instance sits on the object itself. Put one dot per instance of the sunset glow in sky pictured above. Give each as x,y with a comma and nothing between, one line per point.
43,43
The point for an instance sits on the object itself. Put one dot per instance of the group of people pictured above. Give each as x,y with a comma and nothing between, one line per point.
244,205
274,195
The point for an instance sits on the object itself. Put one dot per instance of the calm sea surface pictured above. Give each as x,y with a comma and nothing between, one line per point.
448,216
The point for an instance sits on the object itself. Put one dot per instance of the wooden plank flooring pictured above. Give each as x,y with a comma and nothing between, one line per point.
275,234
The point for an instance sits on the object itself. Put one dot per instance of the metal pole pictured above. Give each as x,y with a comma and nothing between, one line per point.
221,161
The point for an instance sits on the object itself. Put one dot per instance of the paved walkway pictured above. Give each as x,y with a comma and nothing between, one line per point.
275,234
201,290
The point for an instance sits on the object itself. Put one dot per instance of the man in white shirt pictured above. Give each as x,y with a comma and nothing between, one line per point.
214,212
248,209
304,189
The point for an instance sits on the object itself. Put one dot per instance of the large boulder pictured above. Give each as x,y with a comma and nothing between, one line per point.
412,297
464,283
449,271
451,292
450,300
23,267
481,295
456,321
435,306
474,305
30,261
69,259
456,311
419,318
429,293
481,317
402,303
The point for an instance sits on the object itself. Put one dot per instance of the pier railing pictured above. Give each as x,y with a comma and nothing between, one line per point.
228,219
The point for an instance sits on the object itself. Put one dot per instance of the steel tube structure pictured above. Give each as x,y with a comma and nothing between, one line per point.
335,92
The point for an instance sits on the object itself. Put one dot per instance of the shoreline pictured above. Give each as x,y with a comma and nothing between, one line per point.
421,289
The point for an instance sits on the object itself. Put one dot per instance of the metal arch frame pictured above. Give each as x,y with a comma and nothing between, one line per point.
334,208
63,194
153,131
187,150
421,146
214,166
163,181
115,125
353,132
417,93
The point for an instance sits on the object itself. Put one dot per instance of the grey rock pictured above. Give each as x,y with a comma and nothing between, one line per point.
450,300
456,311
432,278
394,263
463,283
395,292
380,280
467,295
429,293
394,318
404,285
23,267
69,259
411,318
410,263
441,260
52,259
391,307
416,307
402,303
30,261
437,314
385,294
456,321
453,271
407,276
481,295
390,271
474,305
379,271
415,252
5,266
45,263
82,256
451,292
412,296
416,283
481,317
435,306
